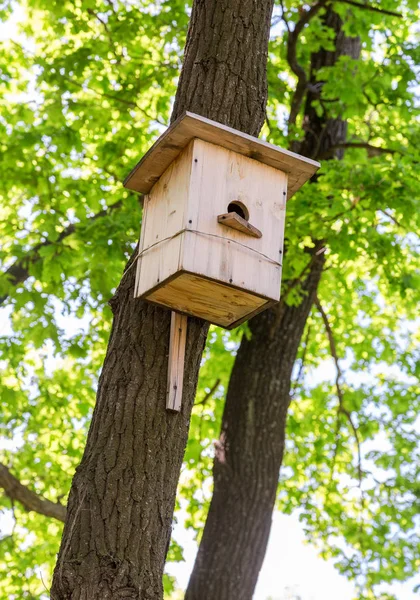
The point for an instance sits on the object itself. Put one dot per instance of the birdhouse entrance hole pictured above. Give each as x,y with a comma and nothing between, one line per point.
238,208
237,217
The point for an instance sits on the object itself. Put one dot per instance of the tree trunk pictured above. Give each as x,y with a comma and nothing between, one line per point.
250,451
121,502
249,454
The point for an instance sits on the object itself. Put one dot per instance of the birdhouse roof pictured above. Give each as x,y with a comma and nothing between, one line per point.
189,126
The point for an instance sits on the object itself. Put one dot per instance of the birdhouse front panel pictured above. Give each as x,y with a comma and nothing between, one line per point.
213,221
224,183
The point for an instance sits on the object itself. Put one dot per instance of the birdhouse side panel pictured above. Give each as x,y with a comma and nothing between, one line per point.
159,264
164,219
168,201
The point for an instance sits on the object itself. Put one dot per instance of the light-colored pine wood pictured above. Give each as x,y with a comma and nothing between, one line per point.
183,235
189,126
207,299
178,337
164,216
237,222
218,178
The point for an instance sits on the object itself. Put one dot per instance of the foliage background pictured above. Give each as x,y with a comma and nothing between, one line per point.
86,87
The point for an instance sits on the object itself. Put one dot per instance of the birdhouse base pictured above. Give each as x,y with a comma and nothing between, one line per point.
207,299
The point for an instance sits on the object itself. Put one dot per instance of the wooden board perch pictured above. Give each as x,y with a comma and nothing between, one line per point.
235,221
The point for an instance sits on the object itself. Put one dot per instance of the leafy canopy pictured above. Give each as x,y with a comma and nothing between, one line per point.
86,88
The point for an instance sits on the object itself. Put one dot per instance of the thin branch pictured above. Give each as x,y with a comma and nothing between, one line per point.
319,249
31,501
112,97
209,394
276,20
42,581
111,5
371,150
297,69
203,403
108,33
376,9
384,212
18,272
283,11
292,40
86,88
295,282
302,363
340,393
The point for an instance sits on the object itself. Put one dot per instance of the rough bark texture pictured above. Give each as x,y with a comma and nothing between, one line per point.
224,73
249,455
250,452
121,502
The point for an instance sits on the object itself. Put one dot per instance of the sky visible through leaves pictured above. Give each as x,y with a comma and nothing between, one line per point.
86,87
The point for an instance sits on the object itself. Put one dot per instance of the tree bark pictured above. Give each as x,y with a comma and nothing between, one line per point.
224,76
121,502
249,454
250,450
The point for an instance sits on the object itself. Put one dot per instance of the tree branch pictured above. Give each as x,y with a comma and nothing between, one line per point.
90,11
302,363
85,87
340,393
209,394
383,11
297,69
31,501
18,272
283,18
387,214
319,248
371,150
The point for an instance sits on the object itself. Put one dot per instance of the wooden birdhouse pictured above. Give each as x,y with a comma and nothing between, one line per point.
213,220
211,242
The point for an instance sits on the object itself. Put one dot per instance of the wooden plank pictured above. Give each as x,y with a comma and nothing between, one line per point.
141,243
176,360
209,300
166,207
190,126
235,221
218,178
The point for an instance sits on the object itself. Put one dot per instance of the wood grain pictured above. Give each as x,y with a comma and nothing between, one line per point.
176,359
181,233
206,299
164,215
189,126
235,221
218,178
